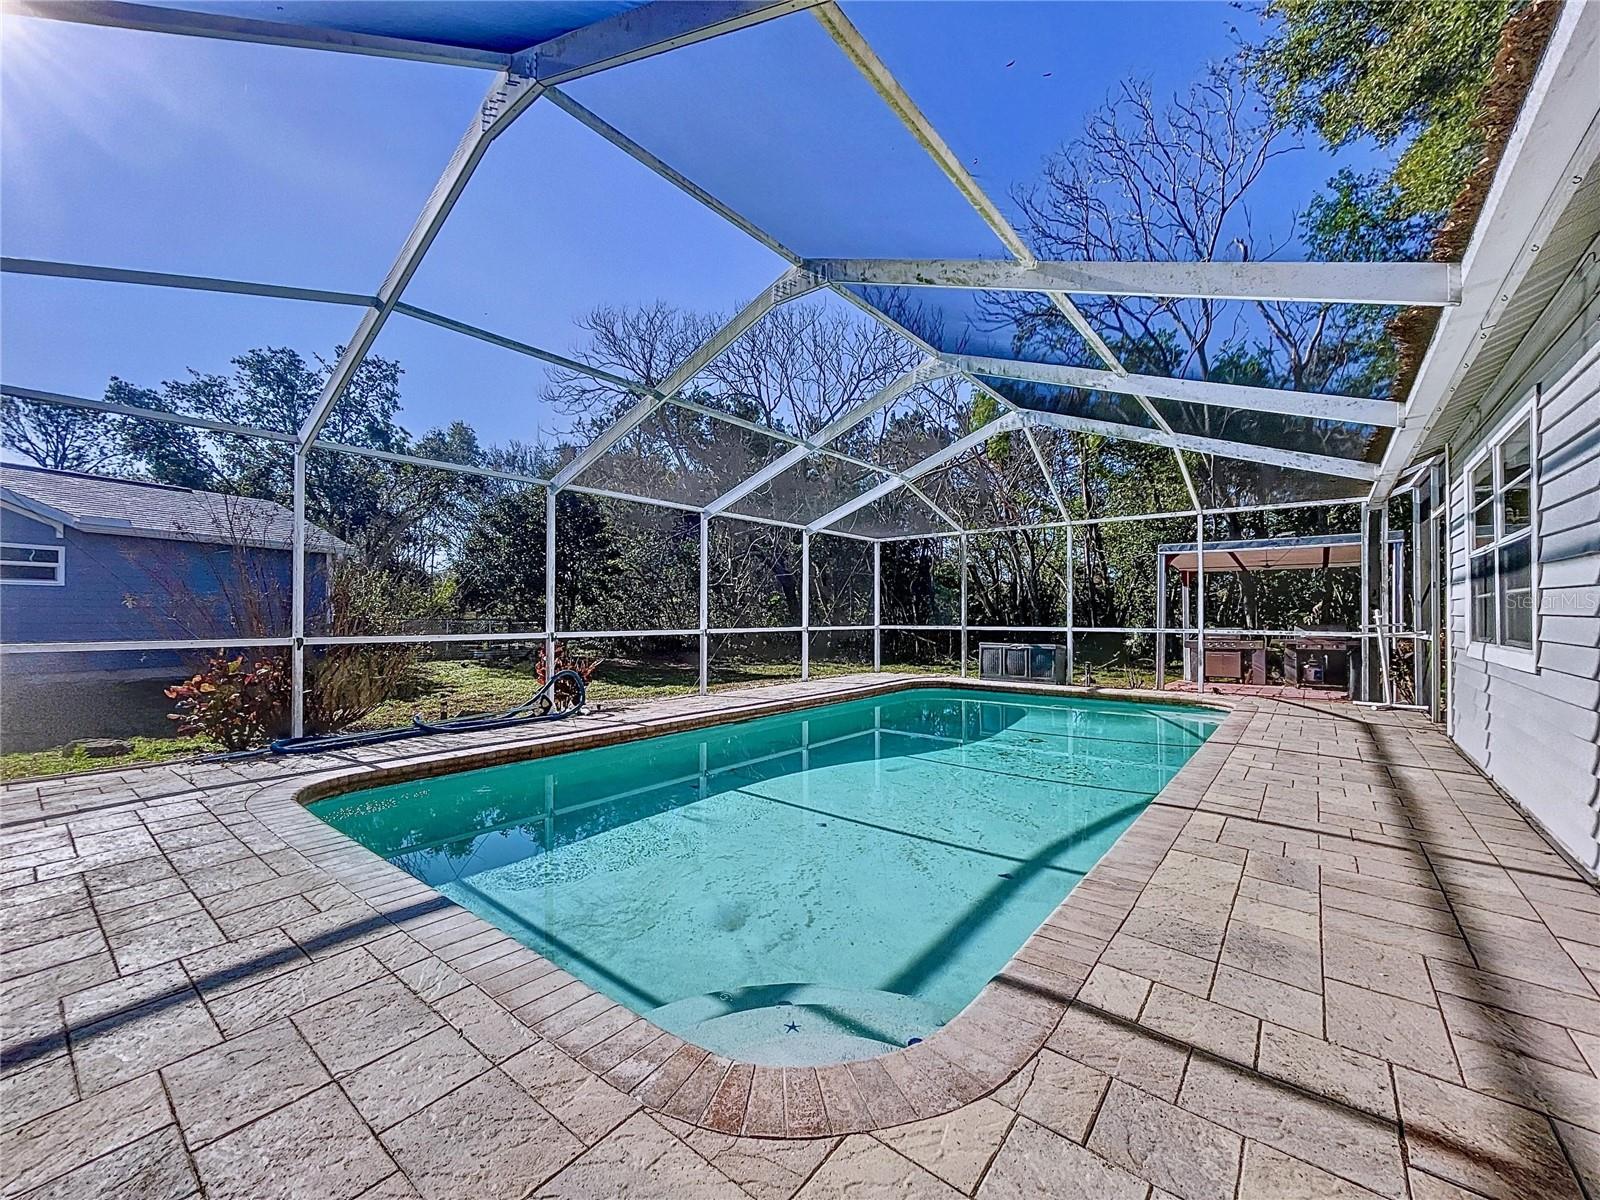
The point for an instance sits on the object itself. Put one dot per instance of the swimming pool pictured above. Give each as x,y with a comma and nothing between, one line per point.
798,889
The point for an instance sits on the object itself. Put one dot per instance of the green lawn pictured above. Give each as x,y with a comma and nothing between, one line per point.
442,689
65,760
453,688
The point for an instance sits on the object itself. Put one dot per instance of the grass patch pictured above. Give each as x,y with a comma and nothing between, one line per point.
446,688
67,760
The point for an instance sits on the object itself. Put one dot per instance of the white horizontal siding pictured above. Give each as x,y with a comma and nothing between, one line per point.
1537,732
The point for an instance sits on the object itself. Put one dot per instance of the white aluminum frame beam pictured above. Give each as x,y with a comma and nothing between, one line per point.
634,150
791,285
804,445
1008,423
1553,147
52,269
1294,460
1190,391
1321,464
62,400
1044,470
924,372
643,32
507,99
626,37
162,416
163,279
159,19
1386,283
877,74
518,347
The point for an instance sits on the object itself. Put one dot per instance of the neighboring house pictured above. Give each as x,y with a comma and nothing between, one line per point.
1507,404
85,558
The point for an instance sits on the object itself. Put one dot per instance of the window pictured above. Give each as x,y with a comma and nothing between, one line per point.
1499,487
26,564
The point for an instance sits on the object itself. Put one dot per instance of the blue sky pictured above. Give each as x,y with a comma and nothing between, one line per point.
305,167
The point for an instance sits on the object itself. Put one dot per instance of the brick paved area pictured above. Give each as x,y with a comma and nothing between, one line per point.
1329,961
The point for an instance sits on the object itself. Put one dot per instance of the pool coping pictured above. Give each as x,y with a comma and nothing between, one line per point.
969,1057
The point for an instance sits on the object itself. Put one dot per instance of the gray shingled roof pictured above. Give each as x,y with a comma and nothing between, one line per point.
97,504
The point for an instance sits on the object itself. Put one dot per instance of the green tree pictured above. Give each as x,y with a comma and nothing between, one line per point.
57,437
1400,73
500,571
398,515
168,453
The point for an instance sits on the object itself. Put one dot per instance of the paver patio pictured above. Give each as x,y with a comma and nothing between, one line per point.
1330,960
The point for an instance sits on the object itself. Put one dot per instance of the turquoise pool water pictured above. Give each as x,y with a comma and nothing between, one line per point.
798,889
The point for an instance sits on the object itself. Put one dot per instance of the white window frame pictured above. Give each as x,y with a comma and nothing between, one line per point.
1485,644
60,564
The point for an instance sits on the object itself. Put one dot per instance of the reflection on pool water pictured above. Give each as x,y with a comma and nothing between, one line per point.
805,888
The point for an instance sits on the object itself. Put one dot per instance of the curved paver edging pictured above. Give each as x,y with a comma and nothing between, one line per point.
972,1055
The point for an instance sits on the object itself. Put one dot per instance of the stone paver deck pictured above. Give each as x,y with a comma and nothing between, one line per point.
1330,960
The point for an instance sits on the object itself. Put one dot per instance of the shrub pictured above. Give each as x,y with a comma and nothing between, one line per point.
237,702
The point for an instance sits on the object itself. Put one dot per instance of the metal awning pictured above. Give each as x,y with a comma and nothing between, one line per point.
1271,554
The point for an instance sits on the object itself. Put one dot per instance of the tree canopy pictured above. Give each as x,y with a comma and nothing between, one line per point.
1407,75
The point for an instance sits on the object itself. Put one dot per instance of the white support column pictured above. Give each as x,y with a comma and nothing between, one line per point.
1200,601
1384,623
1161,620
805,605
297,651
551,498
877,606
1420,526
705,604
1374,551
1071,584
963,605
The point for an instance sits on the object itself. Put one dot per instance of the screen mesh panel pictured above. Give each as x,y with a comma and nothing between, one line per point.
755,120
682,455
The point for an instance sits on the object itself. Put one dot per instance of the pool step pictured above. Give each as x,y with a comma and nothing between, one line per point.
798,1025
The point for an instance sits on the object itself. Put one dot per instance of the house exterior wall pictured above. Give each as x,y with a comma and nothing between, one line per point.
29,530
1534,726
133,588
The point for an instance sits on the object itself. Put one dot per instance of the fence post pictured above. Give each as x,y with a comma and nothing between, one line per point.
297,651
1200,601
963,605
550,505
877,606
705,605
805,605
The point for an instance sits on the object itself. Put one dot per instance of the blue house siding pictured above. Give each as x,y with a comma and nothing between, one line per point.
139,589
30,531
130,588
